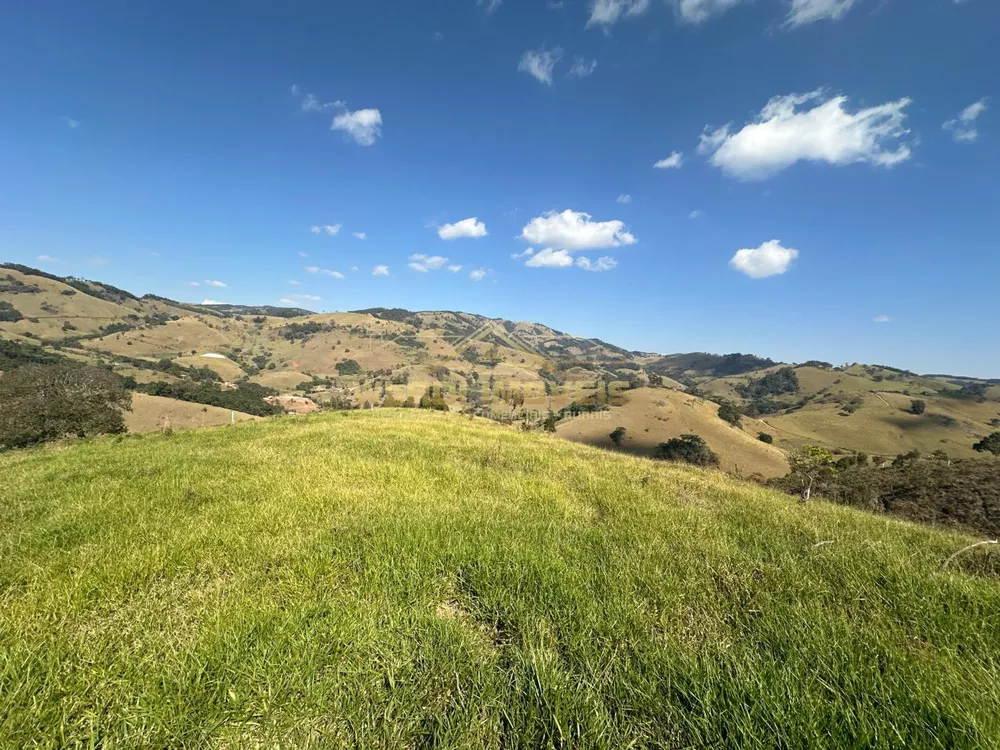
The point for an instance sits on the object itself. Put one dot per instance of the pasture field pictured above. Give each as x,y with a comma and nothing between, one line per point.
402,578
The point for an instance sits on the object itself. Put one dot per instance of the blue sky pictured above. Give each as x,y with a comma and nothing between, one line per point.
153,145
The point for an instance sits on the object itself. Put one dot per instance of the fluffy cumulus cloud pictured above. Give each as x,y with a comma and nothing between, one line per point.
581,68
380,271
540,63
882,319
212,302
360,235
624,198
454,268
523,254
963,128
770,259
674,161
609,12
479,274
363,126
575,230
604,263
788,131
324,272
215,283
424,263
331,230
549,258
471,227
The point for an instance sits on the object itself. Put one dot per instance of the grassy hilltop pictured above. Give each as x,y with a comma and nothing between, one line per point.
397,578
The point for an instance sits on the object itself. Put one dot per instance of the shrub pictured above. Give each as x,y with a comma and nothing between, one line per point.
617,436
989,444
8,314
773,384
689,449
917,406
765,438
47,402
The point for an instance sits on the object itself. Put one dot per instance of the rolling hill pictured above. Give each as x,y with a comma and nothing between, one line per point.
403,578
511,371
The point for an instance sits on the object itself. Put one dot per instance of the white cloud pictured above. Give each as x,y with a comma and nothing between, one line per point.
699,11
479,274
783,134
70,122
574,230
360,235
46,259
295,89
810,11
354,268
604,263
674,161
609,12
293,282
307,297
380,271
490,5
624,198
696,214
324,271
549,258
363,125
471,227
540,63
332,230
195,283
304,255
438,36
286,301
311,104
424,263
454,269
212,302
963,128
770,259
881,319
522,254
581,68
216,284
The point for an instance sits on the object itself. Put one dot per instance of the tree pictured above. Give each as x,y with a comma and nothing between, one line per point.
810,466
617,436
689,449
765,438
47,402
348,367
730,413
917,406
655,381
989,444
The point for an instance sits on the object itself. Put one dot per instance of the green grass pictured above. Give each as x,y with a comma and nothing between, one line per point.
401,579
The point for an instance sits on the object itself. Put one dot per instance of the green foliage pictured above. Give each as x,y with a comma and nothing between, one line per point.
765,438
348,367
917,406
729,412
470,354
8,314
617,436
303,331
14,354
246,397
655,381
11,285
989,444
433,398
737,364
48,402
688,449
774,383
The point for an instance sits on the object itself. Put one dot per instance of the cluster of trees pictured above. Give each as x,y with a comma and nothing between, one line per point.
348,367
932,489
689,449
11,285
246,397
8,313
44,402
772,384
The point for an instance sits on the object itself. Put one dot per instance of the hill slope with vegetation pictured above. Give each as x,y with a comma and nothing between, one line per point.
397,578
